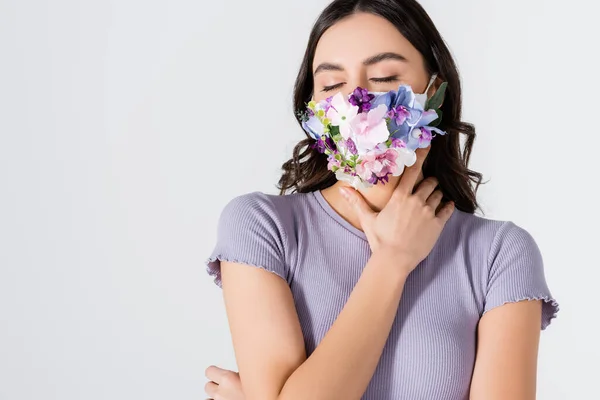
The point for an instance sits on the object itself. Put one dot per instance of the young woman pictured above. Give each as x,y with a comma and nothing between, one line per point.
394,292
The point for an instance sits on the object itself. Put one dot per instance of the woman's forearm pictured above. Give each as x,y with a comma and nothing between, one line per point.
344,362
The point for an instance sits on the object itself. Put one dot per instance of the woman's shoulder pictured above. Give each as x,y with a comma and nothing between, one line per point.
272,206
508,259
478,228
268,215
255,228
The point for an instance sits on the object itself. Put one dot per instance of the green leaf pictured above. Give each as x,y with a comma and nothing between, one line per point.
436,100
334,132
438,120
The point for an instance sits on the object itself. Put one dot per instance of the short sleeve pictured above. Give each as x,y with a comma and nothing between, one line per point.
516,272
249,232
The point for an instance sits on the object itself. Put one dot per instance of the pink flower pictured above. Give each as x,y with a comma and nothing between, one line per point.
378,164
370,129
333,162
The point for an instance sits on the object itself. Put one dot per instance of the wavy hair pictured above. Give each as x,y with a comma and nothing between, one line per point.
307,170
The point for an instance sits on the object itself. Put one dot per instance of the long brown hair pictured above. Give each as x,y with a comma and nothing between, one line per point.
307,170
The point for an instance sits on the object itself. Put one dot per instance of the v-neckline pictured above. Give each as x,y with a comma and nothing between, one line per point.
336,216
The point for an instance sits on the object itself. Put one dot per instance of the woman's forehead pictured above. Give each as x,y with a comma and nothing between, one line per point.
360,36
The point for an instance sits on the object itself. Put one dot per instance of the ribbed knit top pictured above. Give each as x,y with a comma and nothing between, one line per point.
476,264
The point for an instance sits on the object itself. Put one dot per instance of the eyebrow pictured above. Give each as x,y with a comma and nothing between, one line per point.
369,61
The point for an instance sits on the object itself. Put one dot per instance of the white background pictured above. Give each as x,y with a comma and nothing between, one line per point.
123,133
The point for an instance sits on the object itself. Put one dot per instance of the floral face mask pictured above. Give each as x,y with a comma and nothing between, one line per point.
369,136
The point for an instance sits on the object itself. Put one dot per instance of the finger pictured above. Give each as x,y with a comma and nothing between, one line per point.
211,389
410,175
357,201
445,212
214,373
435,199
426,188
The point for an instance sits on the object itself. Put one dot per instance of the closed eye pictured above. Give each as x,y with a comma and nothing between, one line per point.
376,80
386,79
332,87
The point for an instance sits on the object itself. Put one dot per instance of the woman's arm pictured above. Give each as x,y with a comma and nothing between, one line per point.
267,338
507,351
269,345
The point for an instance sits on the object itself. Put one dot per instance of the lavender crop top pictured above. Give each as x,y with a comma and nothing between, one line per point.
476,264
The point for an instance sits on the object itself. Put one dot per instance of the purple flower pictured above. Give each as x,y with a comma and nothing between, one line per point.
376,179
421,137
330,144
318,144
399,114
361,98
398,143
351,146
326,104
324,143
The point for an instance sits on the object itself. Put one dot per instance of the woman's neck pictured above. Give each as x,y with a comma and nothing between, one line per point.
376,197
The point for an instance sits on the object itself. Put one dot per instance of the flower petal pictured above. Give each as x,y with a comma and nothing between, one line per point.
346,130
339,102
415,117
314,127
376,115
436,130
385,98
406,157
427,118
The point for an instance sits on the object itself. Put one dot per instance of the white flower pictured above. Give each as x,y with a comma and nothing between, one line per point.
354,181
341,113
406,157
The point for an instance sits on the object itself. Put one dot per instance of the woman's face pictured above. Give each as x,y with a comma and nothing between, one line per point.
368,51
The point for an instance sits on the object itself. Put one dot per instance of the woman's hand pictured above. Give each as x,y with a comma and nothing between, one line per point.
407,226
223,384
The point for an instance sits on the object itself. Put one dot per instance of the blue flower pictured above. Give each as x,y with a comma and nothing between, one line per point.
420,135
408,119
383,98
314,127
404,96
402,99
